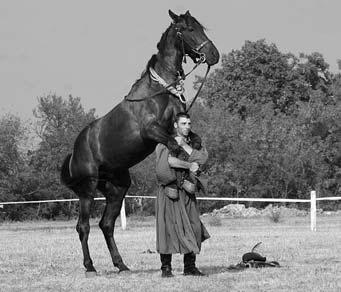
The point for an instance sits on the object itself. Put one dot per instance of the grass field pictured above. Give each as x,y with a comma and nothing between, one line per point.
46,256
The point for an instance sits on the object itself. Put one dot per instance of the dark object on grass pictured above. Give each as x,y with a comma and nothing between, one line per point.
252,256
253,260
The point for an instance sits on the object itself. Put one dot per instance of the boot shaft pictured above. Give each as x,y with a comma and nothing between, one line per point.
189,260
166,260
166,265
189,265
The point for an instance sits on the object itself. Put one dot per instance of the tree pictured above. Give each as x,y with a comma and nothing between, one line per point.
253,76
259,74
59,122
12,132
12,162
315,71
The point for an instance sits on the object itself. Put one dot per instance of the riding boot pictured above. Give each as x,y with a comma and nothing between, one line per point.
189,265
166,266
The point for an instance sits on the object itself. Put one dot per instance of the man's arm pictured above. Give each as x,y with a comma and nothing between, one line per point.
178,163
153,131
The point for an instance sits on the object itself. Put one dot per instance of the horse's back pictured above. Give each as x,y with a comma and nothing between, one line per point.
110,142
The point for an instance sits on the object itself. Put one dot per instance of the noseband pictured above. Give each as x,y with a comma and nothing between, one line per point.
202,56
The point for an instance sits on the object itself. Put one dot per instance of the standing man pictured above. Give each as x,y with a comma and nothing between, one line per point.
178,225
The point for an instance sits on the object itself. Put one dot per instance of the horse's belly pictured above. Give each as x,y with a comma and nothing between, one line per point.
126,153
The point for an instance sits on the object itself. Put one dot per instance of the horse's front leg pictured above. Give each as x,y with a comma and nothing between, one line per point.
154,131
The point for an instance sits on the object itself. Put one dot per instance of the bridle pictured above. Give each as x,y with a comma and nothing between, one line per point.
180,79
196,50
202,59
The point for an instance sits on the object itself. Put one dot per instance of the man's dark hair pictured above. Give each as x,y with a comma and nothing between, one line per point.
181,115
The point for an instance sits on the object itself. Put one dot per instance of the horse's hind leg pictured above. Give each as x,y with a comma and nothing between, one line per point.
114,191
83,225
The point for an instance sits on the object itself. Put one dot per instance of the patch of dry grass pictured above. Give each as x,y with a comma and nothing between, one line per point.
42,256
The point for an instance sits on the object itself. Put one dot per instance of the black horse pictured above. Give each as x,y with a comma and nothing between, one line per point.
105,150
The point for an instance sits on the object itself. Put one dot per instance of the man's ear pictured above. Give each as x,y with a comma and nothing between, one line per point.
173,15
175,125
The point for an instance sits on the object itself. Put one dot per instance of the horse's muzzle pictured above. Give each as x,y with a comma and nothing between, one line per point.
212,56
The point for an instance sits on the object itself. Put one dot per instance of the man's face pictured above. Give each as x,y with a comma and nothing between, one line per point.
183,126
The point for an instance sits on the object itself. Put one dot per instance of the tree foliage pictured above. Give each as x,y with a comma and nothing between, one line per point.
11,161
59,121
259,74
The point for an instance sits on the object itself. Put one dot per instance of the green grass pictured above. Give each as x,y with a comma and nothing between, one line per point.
46,256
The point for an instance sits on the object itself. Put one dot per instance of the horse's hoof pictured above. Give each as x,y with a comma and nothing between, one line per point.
90,274
123,269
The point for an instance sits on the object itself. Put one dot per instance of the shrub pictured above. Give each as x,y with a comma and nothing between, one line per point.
275,214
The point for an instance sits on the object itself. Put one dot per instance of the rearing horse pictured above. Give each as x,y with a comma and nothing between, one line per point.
105,150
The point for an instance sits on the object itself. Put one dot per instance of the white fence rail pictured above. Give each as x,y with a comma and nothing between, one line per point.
312,202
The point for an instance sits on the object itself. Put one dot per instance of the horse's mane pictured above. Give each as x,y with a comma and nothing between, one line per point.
151,63
161,45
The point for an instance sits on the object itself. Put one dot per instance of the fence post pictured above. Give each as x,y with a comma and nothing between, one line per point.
313,210
123,215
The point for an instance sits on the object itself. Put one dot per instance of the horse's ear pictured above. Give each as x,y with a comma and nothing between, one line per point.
173,15
187,13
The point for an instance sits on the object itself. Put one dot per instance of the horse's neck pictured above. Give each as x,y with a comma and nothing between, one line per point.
168,69
169,60
167,64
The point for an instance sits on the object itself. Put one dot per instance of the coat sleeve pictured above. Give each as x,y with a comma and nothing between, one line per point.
164,173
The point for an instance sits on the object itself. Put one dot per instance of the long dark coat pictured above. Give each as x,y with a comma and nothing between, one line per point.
178,225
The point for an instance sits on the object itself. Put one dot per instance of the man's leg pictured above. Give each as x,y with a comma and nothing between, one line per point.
166,265
189,265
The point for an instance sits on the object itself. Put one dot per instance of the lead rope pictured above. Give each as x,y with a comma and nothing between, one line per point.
178,90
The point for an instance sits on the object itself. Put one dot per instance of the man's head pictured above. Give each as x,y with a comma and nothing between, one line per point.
182,124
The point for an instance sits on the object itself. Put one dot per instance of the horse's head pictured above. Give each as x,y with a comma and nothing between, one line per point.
193,40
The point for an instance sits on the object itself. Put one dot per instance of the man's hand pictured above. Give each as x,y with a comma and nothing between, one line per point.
194,167
181,141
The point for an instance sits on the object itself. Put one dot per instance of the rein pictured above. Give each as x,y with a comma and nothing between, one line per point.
197,94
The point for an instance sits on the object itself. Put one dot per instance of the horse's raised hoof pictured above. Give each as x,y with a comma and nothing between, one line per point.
90,274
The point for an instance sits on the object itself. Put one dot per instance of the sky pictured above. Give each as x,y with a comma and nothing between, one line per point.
97,49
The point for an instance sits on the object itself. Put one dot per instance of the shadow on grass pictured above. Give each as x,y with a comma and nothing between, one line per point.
131,272
208,270
212,270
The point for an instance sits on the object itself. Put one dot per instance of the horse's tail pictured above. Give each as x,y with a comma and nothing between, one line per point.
65,176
